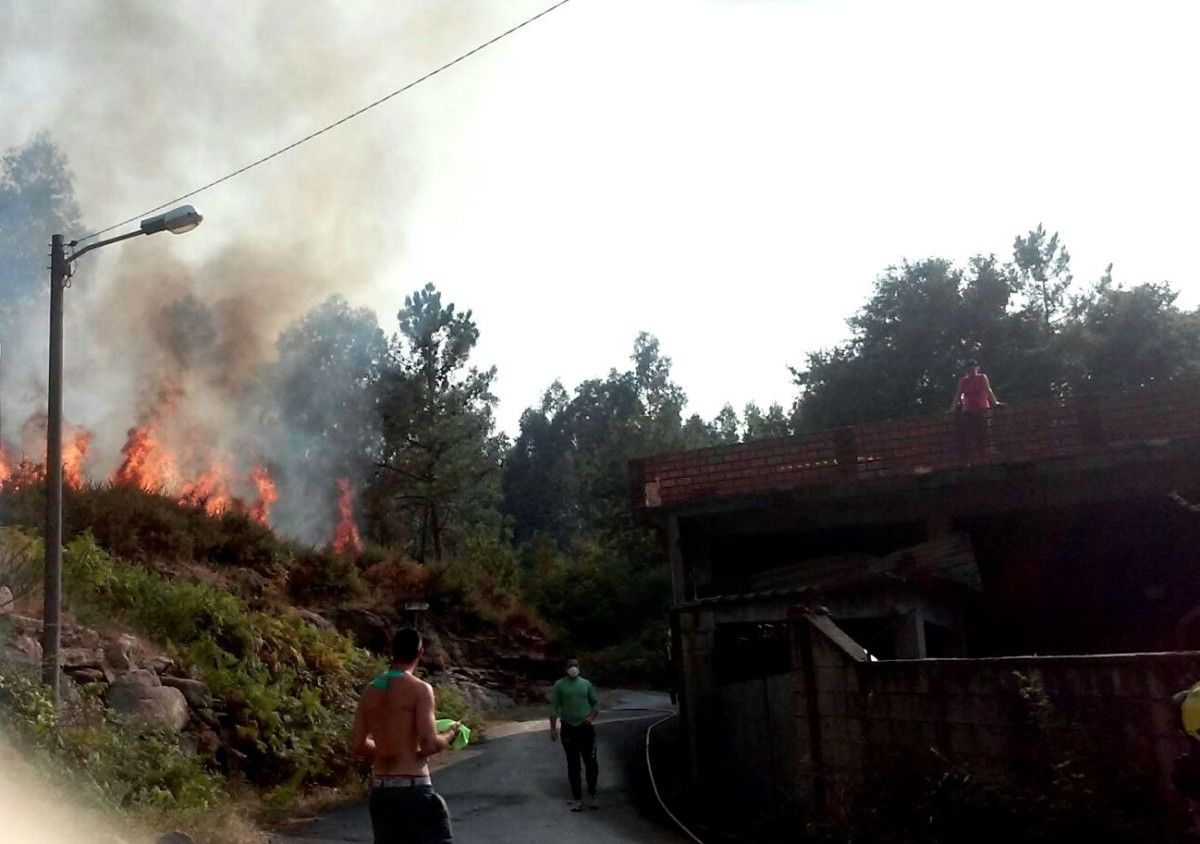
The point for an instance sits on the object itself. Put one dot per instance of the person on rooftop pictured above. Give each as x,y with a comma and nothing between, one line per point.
973,399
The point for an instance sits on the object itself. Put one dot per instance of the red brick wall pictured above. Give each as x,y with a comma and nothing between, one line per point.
919,445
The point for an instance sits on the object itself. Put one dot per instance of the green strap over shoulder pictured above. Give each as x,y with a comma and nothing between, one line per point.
381,682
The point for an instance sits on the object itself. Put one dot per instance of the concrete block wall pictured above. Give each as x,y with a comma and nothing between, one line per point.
820,731
970,711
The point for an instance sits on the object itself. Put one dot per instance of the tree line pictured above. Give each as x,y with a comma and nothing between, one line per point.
412,413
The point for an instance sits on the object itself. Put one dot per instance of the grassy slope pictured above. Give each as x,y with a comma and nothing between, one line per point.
214,594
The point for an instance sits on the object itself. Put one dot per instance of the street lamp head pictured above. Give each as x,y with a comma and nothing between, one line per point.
177,221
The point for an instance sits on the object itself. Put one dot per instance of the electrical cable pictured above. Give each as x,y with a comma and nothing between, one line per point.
330,126
654,785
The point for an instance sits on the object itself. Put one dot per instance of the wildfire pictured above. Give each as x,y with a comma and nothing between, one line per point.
261,511
210,491
26,473
162,459
145,463
345,537
75,453
16,472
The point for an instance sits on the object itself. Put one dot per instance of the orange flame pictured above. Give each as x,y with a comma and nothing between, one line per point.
5,467
261,511
75,453
146,464
27,473
26,470
209,492
345,537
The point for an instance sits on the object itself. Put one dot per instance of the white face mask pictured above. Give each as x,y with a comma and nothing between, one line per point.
573,671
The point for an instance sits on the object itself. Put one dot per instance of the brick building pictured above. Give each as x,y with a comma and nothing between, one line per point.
848,596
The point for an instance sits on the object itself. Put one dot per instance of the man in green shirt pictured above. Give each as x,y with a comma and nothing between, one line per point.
573,699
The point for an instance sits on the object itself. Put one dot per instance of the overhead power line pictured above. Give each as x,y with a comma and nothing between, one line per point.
327,128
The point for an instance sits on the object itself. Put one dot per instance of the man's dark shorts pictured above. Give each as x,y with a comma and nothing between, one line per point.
410,815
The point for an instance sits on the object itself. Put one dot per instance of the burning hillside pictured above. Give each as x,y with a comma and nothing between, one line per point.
187,474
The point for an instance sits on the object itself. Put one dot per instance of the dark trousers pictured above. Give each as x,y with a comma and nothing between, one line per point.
972,429
409,815
580,743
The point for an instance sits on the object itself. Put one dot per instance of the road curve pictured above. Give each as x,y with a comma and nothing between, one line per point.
514,789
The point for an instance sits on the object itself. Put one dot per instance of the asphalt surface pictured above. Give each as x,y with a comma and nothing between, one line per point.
514,789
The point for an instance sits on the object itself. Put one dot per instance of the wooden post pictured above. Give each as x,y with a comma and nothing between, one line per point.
683,583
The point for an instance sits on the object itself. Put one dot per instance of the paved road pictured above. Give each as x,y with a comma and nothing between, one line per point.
514,789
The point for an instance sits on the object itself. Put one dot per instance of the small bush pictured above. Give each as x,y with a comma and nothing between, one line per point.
399,578
20,566
134,769
323,577
289,688
144,527
634,661
593,593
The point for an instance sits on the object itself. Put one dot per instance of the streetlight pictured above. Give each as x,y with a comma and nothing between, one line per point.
177,221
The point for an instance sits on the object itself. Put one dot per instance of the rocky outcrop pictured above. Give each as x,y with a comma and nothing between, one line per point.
23,649
479,697
141,696
197,694
84,676
118,652
74,659
367,629
316,620
24,626
160,664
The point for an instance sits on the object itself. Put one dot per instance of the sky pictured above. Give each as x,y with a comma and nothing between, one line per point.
729,175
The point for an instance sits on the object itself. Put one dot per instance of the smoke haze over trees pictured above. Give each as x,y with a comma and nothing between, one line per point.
410,420
36,197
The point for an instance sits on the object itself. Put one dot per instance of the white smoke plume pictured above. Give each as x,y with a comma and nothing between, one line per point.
147,100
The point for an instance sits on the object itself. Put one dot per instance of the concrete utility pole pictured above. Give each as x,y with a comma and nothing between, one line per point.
176,221
52,588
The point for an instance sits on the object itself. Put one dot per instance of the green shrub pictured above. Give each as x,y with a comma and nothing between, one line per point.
592,593
136,769
235,539
639,660
398,578
320,576
289,688
20,564
145,526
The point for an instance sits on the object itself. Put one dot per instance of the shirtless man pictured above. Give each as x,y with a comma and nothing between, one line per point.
394,728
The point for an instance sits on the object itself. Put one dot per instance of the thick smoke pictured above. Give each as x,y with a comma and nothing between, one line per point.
148,99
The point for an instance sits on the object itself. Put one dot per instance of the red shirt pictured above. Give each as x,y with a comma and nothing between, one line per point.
975,390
